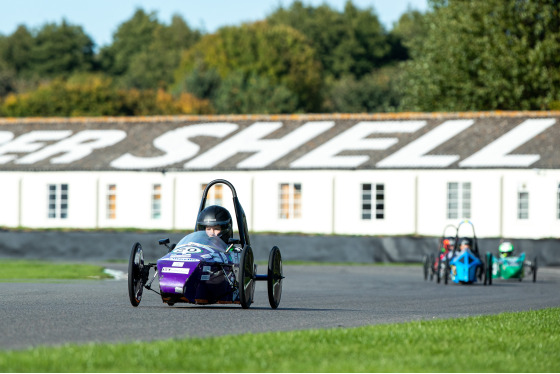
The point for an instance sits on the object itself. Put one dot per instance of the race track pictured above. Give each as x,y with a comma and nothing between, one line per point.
33,314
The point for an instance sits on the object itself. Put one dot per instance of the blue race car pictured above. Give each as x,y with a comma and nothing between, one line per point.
465,265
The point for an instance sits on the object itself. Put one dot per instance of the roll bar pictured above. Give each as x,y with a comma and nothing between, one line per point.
239,212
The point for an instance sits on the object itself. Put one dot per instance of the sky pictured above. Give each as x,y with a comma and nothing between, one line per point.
101,18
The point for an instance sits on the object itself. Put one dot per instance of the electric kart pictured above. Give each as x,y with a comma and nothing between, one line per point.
434,263
201,269
511,267
465,265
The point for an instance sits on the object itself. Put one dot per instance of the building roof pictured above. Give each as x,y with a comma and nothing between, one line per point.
283,142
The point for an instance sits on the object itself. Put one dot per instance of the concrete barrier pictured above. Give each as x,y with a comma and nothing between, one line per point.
96,246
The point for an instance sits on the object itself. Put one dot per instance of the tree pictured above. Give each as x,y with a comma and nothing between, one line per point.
131,37
242,93
375,92
486,55
16,51
279,54
96,95
60,50
352,42
144,52
411,28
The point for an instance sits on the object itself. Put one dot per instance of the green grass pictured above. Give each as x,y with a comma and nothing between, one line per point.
24,270
509,342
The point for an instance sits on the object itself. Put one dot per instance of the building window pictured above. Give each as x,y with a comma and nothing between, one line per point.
58,201
290,200
112,201
215,194
367,201
522,205
458,200
156,201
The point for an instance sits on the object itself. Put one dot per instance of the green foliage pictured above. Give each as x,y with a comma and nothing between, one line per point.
411,28
375,92
459,56
349,43
96,95
7,79
201,81
488,55
82,95
144,52
241,93
16,51
508,342
279,54
54,50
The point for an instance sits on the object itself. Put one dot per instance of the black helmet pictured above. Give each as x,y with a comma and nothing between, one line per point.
466,241
215,215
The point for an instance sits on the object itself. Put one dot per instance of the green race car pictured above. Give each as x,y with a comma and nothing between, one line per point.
508,266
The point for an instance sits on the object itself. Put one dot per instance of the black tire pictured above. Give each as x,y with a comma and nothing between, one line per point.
488,272
275,277
446,271
432,266
135,274
534,269
438,272
246,277
426,266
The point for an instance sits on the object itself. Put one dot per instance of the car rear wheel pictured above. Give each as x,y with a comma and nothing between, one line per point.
135,274
275,277
246,277
488,269
446,271
426,266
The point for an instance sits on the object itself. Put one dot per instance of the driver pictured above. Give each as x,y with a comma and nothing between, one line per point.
216,221
506,249
448,246
465,244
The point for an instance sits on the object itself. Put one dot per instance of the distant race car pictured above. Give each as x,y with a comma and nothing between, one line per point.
508,266
465,265
203,269
435,263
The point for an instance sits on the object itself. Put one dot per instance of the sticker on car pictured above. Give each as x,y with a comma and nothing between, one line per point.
175,270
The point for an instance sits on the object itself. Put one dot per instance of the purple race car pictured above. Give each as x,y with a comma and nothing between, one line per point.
203,269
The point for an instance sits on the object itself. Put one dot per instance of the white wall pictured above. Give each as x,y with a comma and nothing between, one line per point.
331,200
9,199
399,202
542,186
432,201
316,194
81,199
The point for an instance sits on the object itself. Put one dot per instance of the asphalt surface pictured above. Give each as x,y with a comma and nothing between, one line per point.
35,314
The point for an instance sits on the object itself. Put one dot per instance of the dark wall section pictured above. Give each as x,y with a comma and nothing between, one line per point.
95,246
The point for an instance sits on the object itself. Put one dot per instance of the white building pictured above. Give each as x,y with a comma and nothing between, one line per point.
407,174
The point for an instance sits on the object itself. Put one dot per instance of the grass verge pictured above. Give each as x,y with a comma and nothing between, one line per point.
24,270
508,342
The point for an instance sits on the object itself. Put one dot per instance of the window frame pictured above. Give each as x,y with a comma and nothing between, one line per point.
156,201
522,204
57,200
290,201
111,201
372,201
459,200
